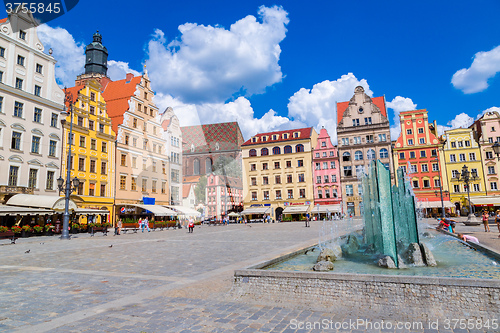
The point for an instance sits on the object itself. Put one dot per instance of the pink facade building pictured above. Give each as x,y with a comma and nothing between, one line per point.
326,176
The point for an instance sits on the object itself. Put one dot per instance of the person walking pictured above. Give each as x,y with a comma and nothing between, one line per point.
485,221
145,222
141,224
191,225
497,220
118,227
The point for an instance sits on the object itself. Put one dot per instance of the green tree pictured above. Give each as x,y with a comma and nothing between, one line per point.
200,189
229,165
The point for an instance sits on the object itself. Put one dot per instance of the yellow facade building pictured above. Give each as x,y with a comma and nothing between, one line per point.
462,149
92,152
277,174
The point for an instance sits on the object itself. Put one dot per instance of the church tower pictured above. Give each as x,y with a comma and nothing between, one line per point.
96,62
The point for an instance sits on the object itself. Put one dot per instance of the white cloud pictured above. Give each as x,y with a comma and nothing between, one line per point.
117,70
212,64
318,106
475,78
69,54
461,120
492,109
399,104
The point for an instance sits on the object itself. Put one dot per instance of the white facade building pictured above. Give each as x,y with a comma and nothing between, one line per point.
173,138
30,107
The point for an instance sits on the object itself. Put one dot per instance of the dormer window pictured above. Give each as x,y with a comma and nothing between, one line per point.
296,134
285,135
254,140
264,138
275,137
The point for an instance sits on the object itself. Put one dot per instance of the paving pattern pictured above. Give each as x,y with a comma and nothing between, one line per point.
163,281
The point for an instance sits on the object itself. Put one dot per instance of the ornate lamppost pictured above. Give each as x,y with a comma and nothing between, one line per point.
496,149
71,185
467,177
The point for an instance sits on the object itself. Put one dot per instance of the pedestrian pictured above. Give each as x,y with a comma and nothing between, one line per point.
117,232
458,212
485,221
141,224
497,221
191,225
145,222
307,220
120,224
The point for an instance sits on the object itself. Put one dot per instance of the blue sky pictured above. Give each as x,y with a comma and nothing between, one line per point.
284,64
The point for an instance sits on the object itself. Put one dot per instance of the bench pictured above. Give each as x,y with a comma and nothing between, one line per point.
93,230
9,234
130,226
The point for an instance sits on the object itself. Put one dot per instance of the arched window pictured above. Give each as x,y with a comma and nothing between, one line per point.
252,152
276,151
208,165
299,148
358,155
287,150
384,153
346,156
264,152
371,154
196,166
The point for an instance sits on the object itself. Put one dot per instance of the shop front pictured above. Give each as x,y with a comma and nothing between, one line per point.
327,211
256,213
131,213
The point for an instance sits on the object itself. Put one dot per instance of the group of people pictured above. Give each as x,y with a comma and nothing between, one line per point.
449,225
485,218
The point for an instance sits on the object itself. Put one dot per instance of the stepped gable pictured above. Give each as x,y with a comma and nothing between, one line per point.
117,95
378,101
211,138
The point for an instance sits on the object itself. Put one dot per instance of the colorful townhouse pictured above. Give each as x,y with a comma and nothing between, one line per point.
277,169
461,149
363,136
30,111
326,176
419,151
92,149
172,135
224,195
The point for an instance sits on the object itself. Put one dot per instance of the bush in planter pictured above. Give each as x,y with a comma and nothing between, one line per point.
92,225
49,227
3,229
38,228
106,225
16,229
75,226
27,228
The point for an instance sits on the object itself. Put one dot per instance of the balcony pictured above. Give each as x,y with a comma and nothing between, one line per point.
5,189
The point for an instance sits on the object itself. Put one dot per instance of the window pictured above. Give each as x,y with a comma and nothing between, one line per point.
371,154
296,135
299,148
349,190
19,83
424,168
456,188
82,141
153,186
453,158
360,170
18,109
434,153
52,148
454,173
334,178
384,153
287,150
358,155
289,179
467,143
462,157
413,168
357,140
38,90
133,185
163,188
288,164
134,123
368,121
401,156
81,164
92,109
285,135
318,179
318,166
49,184
104,147
278,194
493,186
491,170
144,185
422,153
53,120
265,180
22,34
489,155
103,168
403,167
476,188
2,52
290,194
331,153
472,156
264,152
266,195
92,166
277,179
347,171
382,137
369,139
35,145
32,178
123,160
345,142
323,143
20,60
421,141
420,130
355,122
409,132
123,182
254,196
276,151
332,165
326,178
346,156
437,183
410,142
334,192
13,174
426,183
300,163
252,152
460,144
301,178
253,167
265,166
325,165
302,193
415,184
264,138
101,128
320,194
37,115
16,141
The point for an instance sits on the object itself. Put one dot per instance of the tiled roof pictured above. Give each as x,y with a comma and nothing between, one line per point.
74,92
191,179
378,101
117,94
209,137
4,20
186,188
304,133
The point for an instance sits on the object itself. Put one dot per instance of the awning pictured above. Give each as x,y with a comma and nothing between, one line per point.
88,211
233,214
40,201
296,209
156,210
256,210
14,210
493,201
326,209
185,211
434,204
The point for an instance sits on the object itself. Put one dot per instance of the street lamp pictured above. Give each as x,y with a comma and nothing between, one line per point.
467,177
496,149
71,185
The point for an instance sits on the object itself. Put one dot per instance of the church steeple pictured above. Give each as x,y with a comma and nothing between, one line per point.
96,57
